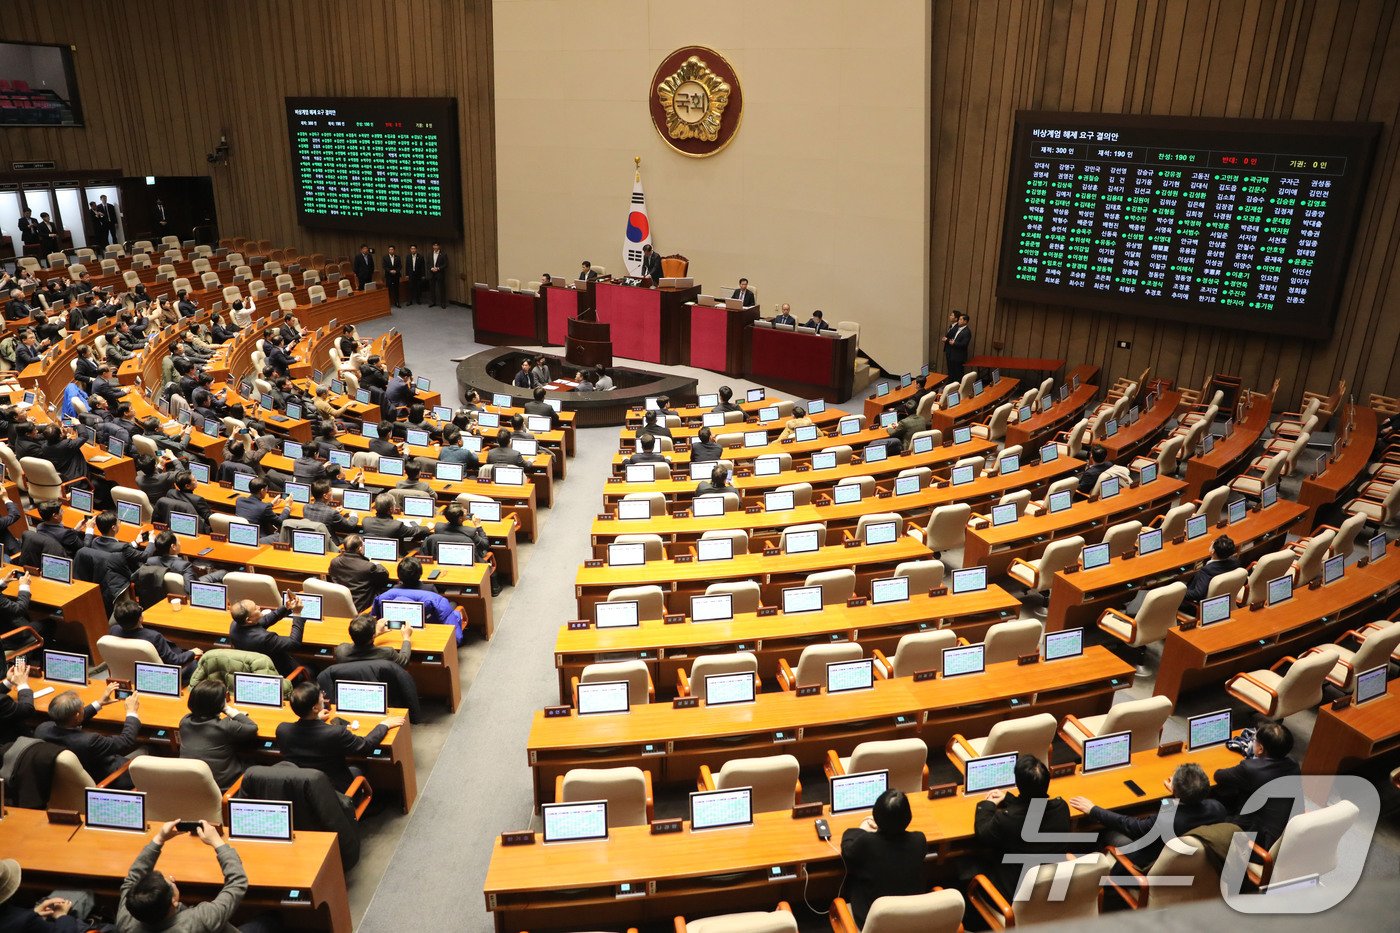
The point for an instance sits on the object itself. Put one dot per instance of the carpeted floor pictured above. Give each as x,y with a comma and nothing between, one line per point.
428,867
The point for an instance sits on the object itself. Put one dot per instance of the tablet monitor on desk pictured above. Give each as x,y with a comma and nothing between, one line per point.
846,493
358,500
390,466
291,450
1147,474
969,580
123,810
858,791
1332,569
767,415
209,596
717,809
1094,556
1024,414
707,506
884,532
953,400
1375,548
848,426
456,554
1109,487
767,466
1008,465
1105,752
442,413
962,435
844,676
804,433
1208,729
1061,500
988,773
575,822
359,696
81,499
923,445
640,473
418,506
1207,443
778,501
755,439
485,510
824,460
500,400
882,388
185,524
1004,514
609,696
712,419
875,453
727,689
964,659
311,609
1280,590
65,667
244,534
56,569
715,608
1196,526
978,388
630,510
472,442
158,679
802,542
308,542
129,513
627,555
797,599
1049,453
404,611
488,419
620,613
299,492
507,475
755,395
1216,609
1149,542
888,418
889,590
115,447
962,475
241,481
381,548
525,446
260,820
1370,684
714,548
1110,427
418,438
906,485
1067,643
815,406
702,469
707,400
1237,510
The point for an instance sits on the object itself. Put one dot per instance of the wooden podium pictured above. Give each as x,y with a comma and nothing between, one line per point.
588,343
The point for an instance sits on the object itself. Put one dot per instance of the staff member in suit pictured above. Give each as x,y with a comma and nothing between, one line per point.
162,219
417,267
393,269
364,266
957,342
949,331
784,316
109,218
1234,786
48,233
586,274
523,378
314,741
744,294
437,276
883,858
817,322
651,264
28,228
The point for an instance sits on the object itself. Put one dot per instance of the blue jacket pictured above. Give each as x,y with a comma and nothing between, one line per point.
437,608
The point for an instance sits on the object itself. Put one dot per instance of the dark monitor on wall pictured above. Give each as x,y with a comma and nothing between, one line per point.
41,87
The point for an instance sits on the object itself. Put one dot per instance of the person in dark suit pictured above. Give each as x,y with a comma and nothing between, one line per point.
717,483
1190,808
400,391
28,228
416,265
437,276
107,561
1098,464
1003,821
51,524
541,376
784,316
523,379
703,448
182,498
108,211
393,270
162,219
586,274
1235,785
538,406
127,622
726,401
883,858
651,264
655,425
504,453
322,508
364,266
817,322
645,453
15,710
955,347
249,627
1222,560
364,578
315,741
383,524
48,233
52,914
909,424
215,732
364,630
258,510
744,294
99,754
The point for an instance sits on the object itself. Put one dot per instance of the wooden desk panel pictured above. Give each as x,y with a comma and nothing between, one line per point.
1231,454
1326,487
81,604
797,449
55,856
1251,640
1142,434
1060,416
945,419
875,404
1344,740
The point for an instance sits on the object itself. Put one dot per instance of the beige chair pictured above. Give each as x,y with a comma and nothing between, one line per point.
1280,695
651,599
137,496
1025,735
866,484
1290,424
811,664
819,527
837,585
1038,573
177,789
627,791
1308,566
1344,536
1381,510
925,475
1169,456
42,480
1143,718
994,428
1269,567
939,911
906,760
1173,523
978,464
656,502
738,536
1307,847
261,588
1253,486
1154,617
1069,484
946,530
693,684
1213,503
209,281
1055,892
364,460
842,453
917,651
336,601
1122,538
777,921
70,780
1375,644
653,548
1184,857
1009,640
640,690
874,517
745,595
801,492
286,301
284,282
1071,443
923,575
122,655
773,779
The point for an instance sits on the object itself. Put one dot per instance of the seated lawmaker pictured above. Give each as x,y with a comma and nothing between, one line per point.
784,316
703,448
436,608
317,741
717,483
909,424
216,732
799,419
365,629
1235,785
646,452
1098,463
883,857
1004,823
127,622
1188,808
726,401
745,294
1222,560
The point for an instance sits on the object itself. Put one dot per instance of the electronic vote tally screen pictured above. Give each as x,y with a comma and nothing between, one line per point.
1233,223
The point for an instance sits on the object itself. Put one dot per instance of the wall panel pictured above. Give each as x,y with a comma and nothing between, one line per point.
1284,59
159,87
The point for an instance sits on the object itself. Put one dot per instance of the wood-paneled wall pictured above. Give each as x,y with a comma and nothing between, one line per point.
1278,59
161,83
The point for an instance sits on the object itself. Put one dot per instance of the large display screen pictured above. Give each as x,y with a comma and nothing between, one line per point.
386,164
1245,224
37,86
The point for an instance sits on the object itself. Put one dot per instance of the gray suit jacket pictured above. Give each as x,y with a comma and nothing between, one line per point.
208,917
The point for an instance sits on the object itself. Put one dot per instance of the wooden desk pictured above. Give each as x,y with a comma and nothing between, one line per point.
1077,598
1229,454
799,450
691,414
570,887
1027,538
817,365
55,856
1326,487
81,604
390,766
290,569
717,337
1042,426
1142,433
500,315
945,419
669,648
875,404
1344,740
650,324
1251,640
681,580
434,664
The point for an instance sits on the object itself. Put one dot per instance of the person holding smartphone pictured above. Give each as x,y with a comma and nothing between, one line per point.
150,900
